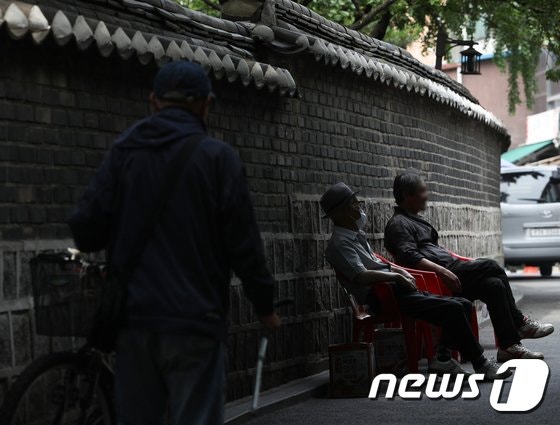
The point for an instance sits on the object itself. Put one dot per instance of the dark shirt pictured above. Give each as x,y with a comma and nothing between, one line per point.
409,238
208,229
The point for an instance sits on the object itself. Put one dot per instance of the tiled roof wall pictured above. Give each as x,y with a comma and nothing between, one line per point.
224,49
162,30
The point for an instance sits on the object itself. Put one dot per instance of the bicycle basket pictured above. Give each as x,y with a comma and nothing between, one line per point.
66,292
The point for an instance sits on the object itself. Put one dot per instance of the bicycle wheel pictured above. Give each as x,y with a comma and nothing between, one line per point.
59,389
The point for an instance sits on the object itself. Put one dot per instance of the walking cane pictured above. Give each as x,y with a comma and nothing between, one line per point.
263,344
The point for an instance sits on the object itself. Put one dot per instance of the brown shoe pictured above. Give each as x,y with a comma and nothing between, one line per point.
490,370
532,329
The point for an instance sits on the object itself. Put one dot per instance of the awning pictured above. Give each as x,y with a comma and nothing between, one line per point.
505,164
521,152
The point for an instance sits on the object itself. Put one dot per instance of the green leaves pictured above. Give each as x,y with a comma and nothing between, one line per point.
210,7
519,29
342,11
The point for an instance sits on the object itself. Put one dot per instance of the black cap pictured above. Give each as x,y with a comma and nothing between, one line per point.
182,81
337,195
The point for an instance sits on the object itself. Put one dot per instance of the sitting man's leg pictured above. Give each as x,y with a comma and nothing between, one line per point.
472,272
526,327
443,350
453,316
485,280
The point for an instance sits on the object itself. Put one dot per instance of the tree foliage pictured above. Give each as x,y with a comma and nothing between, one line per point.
519,29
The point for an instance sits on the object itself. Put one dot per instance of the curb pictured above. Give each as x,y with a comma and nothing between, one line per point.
239,411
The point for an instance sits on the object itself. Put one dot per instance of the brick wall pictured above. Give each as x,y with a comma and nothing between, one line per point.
61,108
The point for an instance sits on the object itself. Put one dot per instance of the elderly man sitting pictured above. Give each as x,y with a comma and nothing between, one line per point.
413,241
350,254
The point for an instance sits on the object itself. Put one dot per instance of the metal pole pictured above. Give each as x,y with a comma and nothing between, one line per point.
441,41
258,375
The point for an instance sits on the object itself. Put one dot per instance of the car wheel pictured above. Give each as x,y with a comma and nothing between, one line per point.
546,270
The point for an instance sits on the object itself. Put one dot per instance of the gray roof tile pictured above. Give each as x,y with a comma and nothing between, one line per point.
151,30
162,30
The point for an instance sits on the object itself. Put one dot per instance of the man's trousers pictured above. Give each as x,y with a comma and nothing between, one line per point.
485,280
169,379
452,314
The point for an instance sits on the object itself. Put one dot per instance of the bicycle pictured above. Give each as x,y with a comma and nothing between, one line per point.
71,387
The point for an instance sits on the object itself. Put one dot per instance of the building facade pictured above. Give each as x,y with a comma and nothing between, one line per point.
306,102
491,89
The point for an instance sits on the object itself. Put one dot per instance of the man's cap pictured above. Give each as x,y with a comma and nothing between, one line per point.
182,81
337,195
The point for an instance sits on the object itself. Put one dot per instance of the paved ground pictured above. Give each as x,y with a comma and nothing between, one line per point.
541,301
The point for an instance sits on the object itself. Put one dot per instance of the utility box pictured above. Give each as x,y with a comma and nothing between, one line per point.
390,351
352,368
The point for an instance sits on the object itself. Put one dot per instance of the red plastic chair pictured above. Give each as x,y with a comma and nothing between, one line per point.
431,279
426,281
436,286
436,282
460,257
364,324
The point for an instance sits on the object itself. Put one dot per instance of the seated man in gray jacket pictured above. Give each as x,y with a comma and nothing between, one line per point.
350,255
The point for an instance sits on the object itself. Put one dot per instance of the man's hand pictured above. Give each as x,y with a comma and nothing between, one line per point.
450,280
403,272
406,281
271,322
409,281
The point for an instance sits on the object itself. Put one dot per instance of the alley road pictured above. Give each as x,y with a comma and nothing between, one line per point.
541,301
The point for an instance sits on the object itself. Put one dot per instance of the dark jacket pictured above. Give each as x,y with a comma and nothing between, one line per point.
208,229
410,238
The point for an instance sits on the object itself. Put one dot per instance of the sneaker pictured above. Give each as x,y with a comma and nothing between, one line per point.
517,351
442,367
490,370
533,329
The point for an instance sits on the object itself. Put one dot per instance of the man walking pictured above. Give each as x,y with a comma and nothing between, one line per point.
414,243
350,255
170,351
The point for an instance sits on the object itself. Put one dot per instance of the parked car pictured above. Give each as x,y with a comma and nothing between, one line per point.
530,201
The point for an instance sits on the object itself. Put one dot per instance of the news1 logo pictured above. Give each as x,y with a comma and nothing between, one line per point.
525,393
